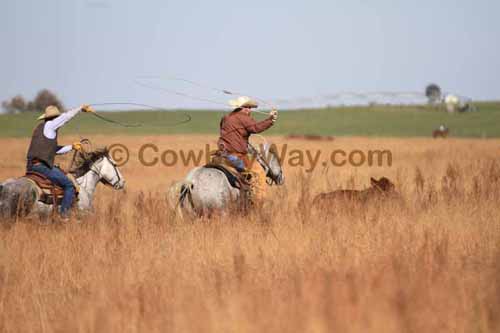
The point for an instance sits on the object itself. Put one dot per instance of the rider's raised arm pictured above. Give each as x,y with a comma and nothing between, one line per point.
51,126
253,126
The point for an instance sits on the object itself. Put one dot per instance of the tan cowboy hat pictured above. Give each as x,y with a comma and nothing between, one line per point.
243,102
50,112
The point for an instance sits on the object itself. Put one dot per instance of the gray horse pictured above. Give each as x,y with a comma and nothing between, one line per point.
19,197
206,190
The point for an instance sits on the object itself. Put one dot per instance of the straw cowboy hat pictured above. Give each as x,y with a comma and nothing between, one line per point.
50,112
243,102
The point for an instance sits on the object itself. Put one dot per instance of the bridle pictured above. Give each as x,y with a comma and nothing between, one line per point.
92,169
102,179
263,162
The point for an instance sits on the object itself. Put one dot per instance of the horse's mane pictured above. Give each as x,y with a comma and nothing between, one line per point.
83,161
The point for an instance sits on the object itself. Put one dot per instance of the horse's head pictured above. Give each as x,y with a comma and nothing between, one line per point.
271,163
100,163
383,184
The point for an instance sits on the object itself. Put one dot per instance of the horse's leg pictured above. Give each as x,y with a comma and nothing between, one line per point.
43,212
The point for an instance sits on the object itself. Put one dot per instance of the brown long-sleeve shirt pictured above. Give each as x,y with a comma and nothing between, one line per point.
236,128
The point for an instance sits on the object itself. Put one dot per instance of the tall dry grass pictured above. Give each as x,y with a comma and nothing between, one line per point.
428,264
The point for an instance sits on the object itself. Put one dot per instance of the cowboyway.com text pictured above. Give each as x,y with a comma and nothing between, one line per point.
150,155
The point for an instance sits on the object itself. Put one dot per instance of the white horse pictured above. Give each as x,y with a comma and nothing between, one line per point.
20,197
205,190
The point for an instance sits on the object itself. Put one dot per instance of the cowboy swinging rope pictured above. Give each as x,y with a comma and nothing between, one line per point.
189,96
194,83
254,151
223,91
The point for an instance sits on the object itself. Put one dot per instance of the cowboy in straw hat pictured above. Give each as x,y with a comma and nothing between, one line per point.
235,130
44,148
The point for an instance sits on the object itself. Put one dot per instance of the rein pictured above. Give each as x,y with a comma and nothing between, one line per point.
92,169
269,180
104,181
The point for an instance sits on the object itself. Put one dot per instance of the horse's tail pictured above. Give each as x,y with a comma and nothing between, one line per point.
179,194
185,193
1,200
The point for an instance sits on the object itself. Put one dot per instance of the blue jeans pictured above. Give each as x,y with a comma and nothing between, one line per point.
236,162
56,176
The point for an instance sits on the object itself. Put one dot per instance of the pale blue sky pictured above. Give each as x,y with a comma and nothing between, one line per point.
91,50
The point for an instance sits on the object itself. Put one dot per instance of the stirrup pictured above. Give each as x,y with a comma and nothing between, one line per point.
247,176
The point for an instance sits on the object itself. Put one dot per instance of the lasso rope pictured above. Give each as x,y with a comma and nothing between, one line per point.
126,125
189,96
219,90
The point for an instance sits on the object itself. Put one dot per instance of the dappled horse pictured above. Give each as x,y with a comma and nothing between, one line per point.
208,189
22,196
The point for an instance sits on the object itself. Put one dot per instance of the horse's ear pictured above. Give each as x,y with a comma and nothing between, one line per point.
263,148
273,149
373,181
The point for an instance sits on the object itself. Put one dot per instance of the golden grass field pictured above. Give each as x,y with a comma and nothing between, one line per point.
430,265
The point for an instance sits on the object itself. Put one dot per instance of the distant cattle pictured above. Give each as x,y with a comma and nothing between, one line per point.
311,137
381,188
441,132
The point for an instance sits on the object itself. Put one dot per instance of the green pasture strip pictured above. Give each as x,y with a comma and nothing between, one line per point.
381,121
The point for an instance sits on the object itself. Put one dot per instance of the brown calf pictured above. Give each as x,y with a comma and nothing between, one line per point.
379,189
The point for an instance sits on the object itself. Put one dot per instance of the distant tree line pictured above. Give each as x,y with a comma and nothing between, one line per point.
43,99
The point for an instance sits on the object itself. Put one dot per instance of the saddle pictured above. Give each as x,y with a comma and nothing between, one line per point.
49,192
235,178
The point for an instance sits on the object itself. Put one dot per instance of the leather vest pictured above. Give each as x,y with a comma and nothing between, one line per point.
41,147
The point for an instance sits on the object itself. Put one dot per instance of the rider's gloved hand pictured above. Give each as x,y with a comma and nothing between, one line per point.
77,146
87,108
274,115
